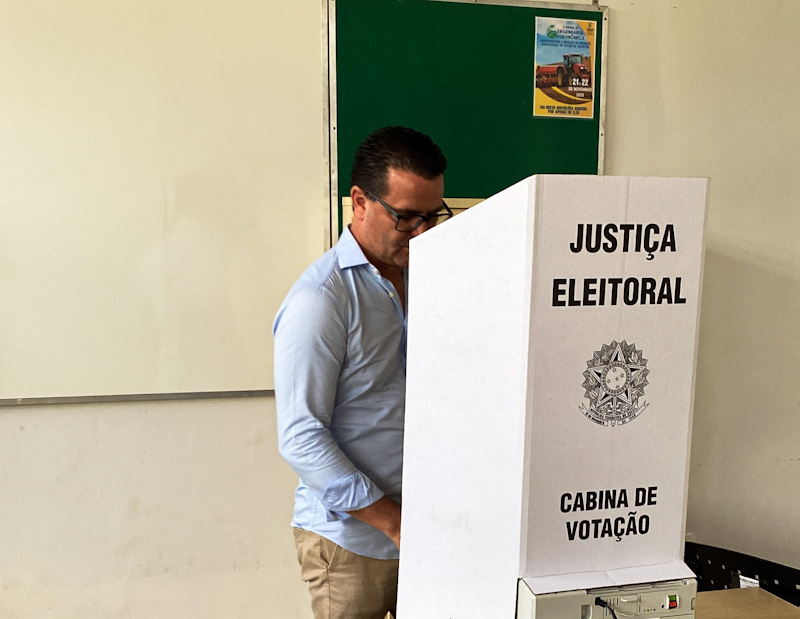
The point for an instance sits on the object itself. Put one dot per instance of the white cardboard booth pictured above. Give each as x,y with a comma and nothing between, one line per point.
552,342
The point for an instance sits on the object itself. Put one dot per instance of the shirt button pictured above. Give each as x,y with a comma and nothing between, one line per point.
391,295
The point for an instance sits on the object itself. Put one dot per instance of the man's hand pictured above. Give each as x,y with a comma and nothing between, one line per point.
384,515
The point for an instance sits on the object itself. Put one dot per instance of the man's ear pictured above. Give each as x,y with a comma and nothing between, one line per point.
359,200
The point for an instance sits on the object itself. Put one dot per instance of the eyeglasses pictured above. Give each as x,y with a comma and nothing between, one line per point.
406,222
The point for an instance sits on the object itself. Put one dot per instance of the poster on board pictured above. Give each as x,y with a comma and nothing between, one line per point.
564,84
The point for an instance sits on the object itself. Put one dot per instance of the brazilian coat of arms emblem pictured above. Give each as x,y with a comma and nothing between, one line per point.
615,379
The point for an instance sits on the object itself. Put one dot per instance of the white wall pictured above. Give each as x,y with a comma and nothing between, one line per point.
146,510
694,89
181,509
160,509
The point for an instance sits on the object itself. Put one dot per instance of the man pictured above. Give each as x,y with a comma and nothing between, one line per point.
340,340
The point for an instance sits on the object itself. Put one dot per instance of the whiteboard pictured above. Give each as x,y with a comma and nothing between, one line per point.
163,183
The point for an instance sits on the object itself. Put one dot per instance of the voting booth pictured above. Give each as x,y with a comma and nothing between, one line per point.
552,343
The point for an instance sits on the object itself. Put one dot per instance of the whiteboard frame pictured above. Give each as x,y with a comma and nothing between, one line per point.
331,123
323,214
142,397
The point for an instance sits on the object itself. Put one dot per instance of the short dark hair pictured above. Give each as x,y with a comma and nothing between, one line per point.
395,147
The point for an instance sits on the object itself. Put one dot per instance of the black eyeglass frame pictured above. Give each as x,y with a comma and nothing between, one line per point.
422,218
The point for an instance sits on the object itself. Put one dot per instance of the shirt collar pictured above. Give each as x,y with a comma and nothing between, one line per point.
348,251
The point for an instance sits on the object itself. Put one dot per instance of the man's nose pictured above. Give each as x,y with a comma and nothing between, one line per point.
420,229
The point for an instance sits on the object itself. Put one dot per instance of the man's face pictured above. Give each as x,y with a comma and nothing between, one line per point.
374,227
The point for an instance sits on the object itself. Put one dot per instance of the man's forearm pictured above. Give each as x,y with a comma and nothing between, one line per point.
384,515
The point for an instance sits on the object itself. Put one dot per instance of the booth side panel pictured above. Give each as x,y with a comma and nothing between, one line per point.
465,413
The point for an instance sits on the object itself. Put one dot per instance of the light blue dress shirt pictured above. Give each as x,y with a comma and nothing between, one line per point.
340,351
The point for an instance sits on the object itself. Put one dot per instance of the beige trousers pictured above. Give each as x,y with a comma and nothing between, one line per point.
345,585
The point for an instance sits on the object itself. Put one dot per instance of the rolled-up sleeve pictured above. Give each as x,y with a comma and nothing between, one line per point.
310,347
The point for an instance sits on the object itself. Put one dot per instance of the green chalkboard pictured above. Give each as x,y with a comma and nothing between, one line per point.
464,74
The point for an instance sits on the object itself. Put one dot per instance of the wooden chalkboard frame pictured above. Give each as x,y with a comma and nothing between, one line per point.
342,141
